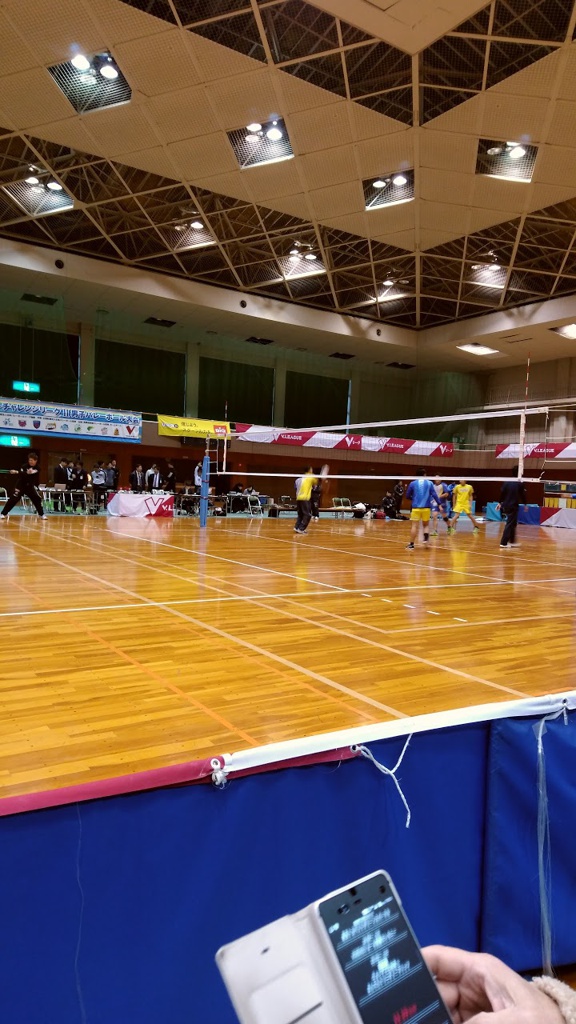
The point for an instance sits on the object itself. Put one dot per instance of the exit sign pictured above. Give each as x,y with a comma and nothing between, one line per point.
14,441
26,385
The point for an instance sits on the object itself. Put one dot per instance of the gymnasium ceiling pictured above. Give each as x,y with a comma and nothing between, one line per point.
401,85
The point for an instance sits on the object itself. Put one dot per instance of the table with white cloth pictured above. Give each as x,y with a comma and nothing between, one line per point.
140,506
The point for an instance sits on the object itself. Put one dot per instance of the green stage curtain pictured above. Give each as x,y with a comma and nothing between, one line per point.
47,358
247,391
134,377
313,401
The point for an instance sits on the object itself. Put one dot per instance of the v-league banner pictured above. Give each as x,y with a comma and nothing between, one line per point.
346,442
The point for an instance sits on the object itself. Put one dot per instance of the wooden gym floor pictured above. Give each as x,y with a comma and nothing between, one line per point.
127,644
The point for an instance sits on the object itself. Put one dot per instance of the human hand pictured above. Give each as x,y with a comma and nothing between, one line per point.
498,507
479,989
14,472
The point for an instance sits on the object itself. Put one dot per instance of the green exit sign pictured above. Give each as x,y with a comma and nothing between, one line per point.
14,441
26,385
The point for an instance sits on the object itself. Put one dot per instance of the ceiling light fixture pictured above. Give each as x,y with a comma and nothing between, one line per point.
379,183
254,127
494,150
399,180
517,152
478,350
274,134
566,331
54,186
252,138
109,71
388,282
310,256
197,225
80,62
294,252
32,180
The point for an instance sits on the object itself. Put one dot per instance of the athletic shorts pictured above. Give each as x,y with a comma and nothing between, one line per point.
463,506
420,515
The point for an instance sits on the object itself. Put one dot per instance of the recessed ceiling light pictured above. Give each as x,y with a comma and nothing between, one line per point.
379,183
310,256
32,180
108,71
80,62
54,186
516,152
494,150
197,225
567,331
252,138
180,227
254,127
399,180
388,282
294,252
274,134
478,350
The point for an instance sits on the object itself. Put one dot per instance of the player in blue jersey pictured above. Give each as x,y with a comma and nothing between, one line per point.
422,495
442,506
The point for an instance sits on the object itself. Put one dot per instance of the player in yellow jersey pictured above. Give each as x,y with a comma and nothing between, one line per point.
304,486
462,496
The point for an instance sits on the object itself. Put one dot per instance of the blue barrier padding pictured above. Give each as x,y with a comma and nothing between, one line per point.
511,922
529,516
167,876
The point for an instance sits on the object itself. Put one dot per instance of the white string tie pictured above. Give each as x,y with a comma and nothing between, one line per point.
367,753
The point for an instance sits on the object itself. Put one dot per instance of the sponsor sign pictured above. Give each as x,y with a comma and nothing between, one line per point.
180,426
74,421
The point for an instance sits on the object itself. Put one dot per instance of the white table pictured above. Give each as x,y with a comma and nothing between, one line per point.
141,506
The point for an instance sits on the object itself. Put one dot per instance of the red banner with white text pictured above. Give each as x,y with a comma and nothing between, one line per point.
343,442
540,450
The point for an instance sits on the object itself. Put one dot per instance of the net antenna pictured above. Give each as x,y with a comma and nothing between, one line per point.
522,439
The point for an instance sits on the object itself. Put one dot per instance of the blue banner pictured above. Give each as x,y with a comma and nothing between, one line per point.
69,420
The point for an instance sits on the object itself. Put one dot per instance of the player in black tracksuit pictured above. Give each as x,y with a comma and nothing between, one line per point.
513,495
28,477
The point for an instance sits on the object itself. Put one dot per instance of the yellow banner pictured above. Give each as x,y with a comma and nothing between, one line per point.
181,427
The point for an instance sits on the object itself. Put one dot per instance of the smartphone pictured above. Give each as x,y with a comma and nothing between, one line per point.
371,938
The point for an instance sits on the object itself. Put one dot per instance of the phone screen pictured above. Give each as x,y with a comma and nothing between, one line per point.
381,960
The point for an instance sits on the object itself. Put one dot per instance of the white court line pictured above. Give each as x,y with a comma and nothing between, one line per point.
495,580
364,640
141,604
232,561
378,558
219,632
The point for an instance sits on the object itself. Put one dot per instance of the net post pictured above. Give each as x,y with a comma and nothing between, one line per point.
521,445
204,490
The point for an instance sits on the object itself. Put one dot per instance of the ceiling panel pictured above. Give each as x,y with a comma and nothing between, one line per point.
200,68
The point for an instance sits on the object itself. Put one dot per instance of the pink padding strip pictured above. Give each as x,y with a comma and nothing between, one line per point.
155,778
321,757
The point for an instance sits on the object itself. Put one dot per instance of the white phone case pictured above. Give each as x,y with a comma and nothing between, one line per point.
287,973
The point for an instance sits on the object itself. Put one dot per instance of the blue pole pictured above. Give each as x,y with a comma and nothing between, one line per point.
204,490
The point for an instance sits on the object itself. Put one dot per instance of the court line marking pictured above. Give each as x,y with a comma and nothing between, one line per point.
222,633
495,580
148,671
334,629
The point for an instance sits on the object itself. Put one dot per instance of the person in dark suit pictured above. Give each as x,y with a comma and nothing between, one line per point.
136,479
79,484
170,479
61,503
153,478
513,495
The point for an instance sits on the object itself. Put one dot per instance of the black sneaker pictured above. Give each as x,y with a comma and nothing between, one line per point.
410,547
